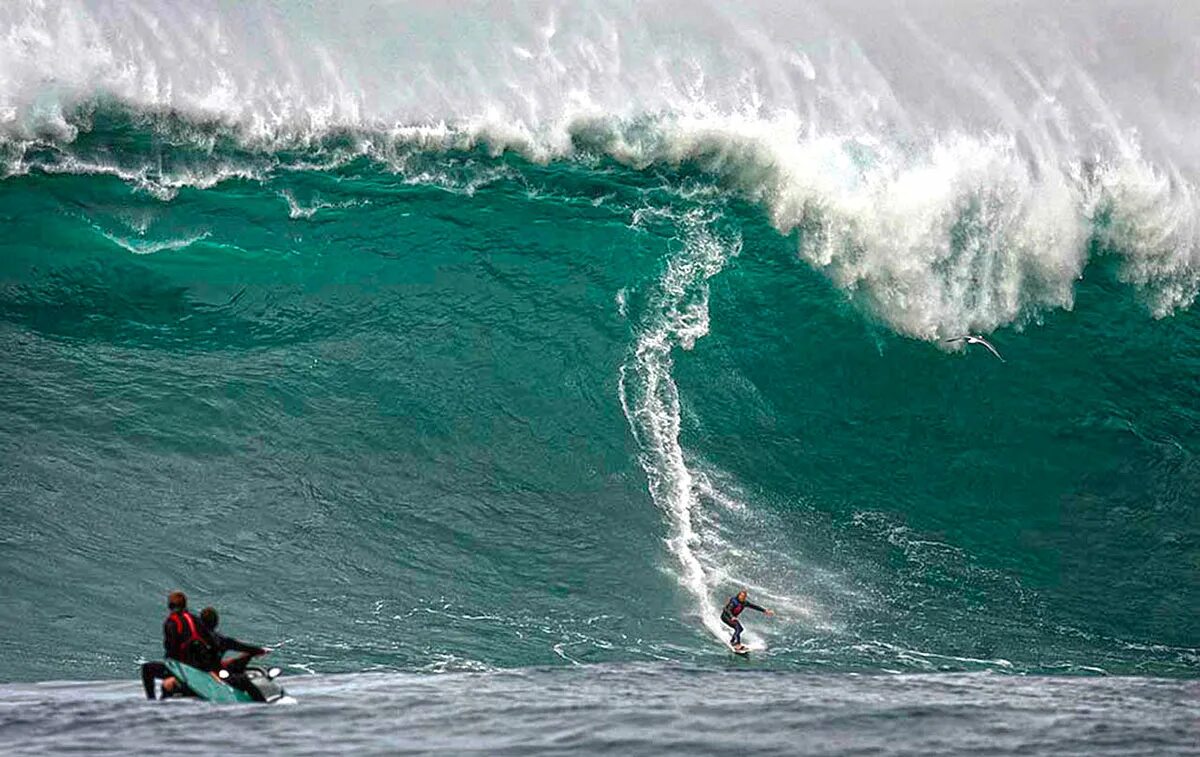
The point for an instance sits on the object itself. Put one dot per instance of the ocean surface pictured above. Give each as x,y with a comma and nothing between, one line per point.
471,359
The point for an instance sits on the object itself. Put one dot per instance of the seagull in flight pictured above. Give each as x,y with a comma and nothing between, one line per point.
972,339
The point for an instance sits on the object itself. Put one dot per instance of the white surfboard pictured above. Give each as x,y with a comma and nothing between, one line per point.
741,649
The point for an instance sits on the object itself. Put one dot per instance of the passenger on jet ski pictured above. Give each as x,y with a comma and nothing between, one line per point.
186,639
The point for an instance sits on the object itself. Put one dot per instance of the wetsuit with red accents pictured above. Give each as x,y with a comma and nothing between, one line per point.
729,616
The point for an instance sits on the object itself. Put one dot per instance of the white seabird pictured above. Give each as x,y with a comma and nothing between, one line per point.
972,339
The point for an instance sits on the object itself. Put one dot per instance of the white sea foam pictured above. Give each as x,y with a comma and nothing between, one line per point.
143,246
946,169
1154,222
677,317
718,542
297,210
650,400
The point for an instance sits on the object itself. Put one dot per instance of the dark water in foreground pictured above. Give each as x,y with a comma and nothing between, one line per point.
622,709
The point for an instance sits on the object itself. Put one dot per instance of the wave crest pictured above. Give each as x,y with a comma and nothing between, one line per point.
964,233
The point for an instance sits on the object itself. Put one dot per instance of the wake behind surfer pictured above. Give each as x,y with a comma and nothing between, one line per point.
186,639
733,608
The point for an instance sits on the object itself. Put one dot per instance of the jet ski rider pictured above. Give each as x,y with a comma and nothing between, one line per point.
210,618
186,639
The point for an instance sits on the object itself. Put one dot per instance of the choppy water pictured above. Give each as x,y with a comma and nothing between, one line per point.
530,354
629,709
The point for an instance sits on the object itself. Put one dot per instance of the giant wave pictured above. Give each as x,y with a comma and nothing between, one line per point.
944,168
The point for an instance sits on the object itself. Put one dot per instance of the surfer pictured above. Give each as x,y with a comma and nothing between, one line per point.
185,638
733,608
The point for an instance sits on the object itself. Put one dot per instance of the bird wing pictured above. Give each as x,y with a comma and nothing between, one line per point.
991,349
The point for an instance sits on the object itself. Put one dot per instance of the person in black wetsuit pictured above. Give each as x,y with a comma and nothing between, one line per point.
232,670
210,619
733,608
185,639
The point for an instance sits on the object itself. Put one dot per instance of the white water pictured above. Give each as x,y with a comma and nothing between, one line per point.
713,559
650,399
888,128
946,161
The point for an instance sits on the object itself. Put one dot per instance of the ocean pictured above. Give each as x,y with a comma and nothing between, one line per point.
472,358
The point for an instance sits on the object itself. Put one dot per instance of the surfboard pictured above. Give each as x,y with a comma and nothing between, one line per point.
741,650
206,685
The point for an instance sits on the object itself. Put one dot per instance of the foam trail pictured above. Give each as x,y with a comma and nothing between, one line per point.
151,246
650,400
298,211
717,540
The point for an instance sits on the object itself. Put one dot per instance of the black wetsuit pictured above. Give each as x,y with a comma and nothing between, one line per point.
185,639
230,644
234,666
729,616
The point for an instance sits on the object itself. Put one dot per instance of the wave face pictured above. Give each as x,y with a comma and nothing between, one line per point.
526,336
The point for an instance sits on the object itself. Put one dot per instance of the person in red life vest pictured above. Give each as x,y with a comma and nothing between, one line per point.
185,639
733,608
210,619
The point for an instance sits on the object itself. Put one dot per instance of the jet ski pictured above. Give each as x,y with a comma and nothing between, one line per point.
254,685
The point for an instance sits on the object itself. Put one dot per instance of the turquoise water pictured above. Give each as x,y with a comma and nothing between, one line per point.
458,421
489,353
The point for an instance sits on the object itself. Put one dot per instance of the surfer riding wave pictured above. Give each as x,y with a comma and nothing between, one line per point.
733,608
